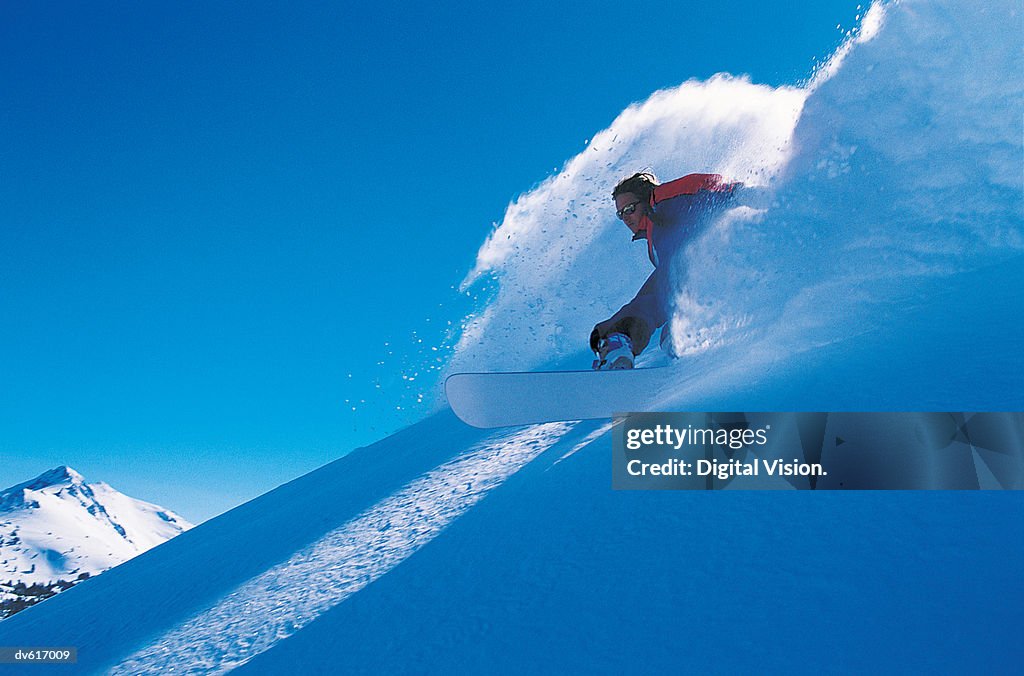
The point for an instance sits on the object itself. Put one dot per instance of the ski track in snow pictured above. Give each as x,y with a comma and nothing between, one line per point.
266,609
587,440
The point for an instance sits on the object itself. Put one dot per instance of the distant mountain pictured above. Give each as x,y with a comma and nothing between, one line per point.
57,528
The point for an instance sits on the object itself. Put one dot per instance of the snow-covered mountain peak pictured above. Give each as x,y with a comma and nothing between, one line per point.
52,481
56,476
57,526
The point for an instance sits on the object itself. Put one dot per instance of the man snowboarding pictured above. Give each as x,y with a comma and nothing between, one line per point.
667,215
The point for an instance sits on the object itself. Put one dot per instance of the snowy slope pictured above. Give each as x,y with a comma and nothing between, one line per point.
57,526
444,548
449,549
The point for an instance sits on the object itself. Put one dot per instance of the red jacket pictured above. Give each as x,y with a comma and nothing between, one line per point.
673,206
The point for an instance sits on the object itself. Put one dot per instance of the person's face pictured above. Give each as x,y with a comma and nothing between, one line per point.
630,209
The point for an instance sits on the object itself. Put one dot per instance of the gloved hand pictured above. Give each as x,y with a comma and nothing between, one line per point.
601,330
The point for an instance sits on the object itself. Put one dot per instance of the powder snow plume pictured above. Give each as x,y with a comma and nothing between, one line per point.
899,160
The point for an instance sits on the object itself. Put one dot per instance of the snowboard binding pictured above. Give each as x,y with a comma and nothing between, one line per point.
614,353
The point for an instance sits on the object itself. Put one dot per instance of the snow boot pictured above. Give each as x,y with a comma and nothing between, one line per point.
614,352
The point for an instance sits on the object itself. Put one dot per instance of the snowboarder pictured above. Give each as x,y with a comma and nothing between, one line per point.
666,215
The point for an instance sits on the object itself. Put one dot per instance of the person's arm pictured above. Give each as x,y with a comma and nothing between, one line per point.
638,318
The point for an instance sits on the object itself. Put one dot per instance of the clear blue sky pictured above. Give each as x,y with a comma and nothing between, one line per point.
222,221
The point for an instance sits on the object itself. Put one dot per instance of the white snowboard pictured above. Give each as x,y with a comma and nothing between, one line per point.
507,399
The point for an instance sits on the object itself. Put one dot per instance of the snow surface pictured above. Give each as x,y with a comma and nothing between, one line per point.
879,268
57,527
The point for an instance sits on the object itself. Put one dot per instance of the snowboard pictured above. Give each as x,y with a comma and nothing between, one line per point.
489,400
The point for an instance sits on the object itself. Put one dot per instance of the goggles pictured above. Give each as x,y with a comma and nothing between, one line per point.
627,210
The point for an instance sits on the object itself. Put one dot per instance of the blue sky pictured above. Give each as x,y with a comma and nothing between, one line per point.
224,228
